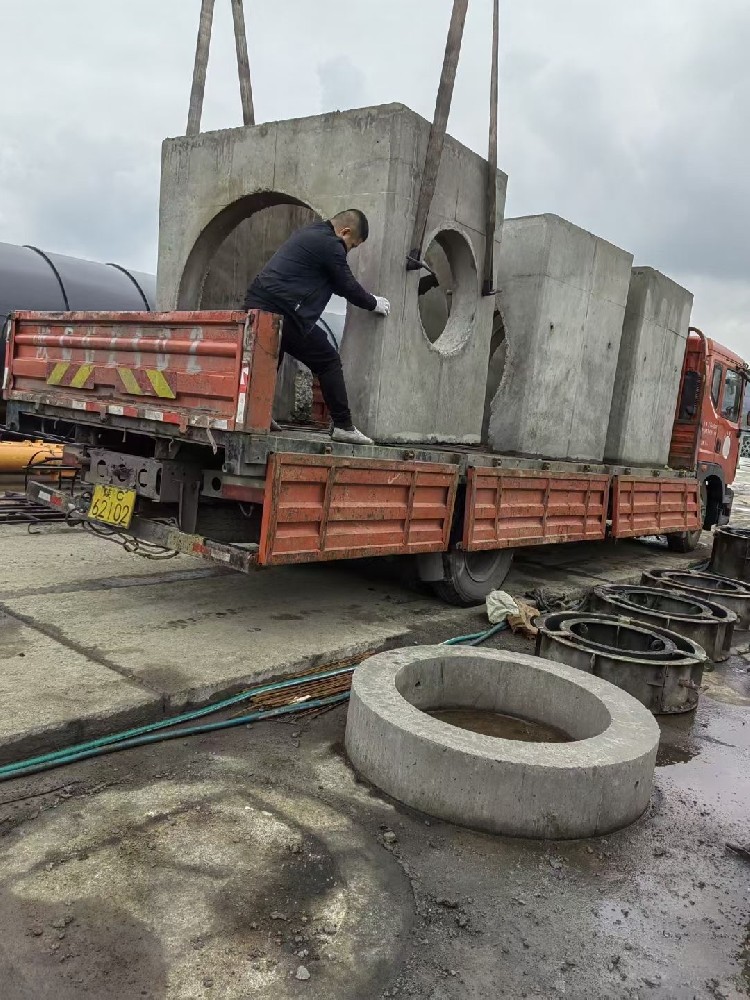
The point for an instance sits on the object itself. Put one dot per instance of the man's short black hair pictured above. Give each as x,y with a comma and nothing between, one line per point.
355,220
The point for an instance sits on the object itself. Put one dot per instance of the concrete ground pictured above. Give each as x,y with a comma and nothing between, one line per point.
93,638
239,864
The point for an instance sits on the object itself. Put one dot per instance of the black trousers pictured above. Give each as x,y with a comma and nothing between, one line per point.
317,353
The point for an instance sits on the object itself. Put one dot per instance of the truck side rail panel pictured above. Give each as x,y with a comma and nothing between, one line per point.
319,507
654,506
204,369
510,507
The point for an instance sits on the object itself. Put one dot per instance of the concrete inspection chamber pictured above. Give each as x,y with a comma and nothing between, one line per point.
562,296
229,198
598,782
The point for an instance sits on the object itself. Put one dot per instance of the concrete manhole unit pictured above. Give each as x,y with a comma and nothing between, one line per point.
707,623
731,594
731,553
660,668
599,782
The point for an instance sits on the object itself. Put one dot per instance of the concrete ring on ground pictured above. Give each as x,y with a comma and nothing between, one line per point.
598,783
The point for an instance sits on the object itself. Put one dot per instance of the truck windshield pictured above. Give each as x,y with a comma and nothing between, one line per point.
730,407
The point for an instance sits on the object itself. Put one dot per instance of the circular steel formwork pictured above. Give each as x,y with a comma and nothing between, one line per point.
731,594
707,623
731,553
660,668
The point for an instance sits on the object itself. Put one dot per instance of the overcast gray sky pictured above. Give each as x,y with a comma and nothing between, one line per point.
628,118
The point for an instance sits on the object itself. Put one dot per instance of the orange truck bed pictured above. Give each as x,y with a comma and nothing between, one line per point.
211,376
194,369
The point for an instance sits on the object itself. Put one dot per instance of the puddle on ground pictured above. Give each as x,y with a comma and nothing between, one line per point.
504,727
705,756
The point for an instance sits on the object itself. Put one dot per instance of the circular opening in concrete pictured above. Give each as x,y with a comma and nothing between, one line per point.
499,725
235,245
416,729
447,297
495,368
246,250
445,683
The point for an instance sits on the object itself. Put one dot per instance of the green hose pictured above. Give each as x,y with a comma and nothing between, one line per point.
476,638
104,742
24,768
166,729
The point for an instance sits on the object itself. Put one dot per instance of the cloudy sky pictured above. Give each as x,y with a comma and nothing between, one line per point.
628,118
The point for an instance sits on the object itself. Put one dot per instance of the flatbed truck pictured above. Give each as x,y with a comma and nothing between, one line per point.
172,416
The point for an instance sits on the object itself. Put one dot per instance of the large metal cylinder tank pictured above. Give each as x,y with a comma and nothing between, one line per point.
51,282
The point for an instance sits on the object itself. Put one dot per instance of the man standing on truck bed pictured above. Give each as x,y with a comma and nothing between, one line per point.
297,283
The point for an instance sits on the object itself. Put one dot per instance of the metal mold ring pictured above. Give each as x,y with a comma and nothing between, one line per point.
730,556
731,594
707,623
660,668
599,782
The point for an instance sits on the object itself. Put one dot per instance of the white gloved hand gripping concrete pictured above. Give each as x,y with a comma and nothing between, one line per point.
382,306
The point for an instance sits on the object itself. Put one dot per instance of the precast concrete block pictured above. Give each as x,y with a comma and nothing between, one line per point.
416,376
649,368
598,782
562,295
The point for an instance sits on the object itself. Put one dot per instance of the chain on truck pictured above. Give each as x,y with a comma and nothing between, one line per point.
178,453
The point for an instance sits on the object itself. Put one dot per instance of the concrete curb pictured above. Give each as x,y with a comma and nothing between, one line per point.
597,784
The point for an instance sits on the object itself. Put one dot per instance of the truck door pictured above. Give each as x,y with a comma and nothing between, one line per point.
683,450
726,396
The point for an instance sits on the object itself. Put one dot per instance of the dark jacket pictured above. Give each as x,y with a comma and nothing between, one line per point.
303,274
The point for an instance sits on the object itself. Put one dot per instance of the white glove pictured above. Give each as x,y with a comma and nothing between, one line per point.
382,306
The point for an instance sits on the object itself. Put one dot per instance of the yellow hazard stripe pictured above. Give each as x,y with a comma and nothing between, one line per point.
130,382
159,384
58,373
81,377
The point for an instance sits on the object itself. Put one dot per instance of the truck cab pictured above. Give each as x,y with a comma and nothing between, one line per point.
707,430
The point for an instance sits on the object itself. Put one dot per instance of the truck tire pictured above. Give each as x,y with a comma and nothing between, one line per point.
470,576
688,541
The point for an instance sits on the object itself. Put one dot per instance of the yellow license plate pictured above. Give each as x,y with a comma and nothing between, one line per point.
112,506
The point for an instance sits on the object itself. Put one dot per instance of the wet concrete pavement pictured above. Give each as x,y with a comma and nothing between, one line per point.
94,638
237,865
221,866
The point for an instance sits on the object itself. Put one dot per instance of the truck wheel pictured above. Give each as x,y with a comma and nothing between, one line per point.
688,541
470,576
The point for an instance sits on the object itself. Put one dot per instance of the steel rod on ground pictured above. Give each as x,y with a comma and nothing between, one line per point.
440,123
202,47
243,62
489,253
